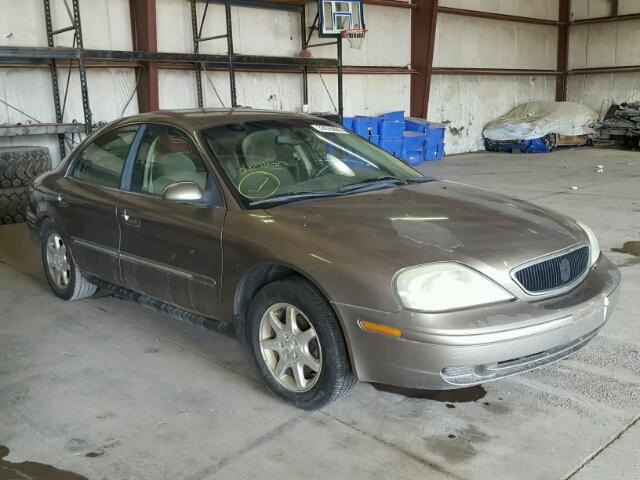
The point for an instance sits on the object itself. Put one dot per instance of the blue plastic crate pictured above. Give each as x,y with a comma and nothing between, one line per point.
434,151
417,124
391,129
347,122
366,126
413,157
435,133
394,147
413,140
397,116
375,139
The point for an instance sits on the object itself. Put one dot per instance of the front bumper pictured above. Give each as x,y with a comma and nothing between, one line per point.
468,347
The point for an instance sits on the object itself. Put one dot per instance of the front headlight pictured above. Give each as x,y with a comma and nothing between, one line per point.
446,286
594,246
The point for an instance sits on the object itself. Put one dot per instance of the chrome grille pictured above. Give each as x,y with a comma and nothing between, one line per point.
555,272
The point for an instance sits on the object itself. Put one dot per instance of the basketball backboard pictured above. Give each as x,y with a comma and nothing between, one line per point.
338,15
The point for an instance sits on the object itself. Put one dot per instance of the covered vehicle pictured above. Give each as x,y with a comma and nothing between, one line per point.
332,259
535,126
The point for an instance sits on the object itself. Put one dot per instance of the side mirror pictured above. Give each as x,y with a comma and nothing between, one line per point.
183,192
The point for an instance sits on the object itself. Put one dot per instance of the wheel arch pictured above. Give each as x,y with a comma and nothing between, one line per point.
259,276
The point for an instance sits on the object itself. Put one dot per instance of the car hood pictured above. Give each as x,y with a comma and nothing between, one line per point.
434,221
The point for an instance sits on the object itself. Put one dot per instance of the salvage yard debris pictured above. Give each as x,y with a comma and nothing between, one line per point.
620,127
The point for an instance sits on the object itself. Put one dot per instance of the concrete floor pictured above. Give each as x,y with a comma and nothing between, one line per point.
107,389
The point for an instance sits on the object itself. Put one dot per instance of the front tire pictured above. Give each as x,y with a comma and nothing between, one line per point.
298,344
64,277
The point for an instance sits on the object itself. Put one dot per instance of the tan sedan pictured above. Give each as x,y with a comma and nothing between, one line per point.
332,259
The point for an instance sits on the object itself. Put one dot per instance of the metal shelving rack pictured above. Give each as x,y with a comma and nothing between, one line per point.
53,68
306,33
231,61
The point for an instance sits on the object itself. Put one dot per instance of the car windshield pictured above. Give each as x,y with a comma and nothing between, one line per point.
279,161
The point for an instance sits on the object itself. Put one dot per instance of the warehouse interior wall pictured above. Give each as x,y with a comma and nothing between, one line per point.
106,24
466,103
610,44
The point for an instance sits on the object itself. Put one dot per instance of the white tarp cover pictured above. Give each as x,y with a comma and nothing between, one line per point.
537,119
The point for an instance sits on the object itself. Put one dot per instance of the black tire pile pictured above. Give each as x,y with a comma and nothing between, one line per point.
18,167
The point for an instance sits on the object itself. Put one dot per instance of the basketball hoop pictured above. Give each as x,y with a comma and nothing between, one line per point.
355,36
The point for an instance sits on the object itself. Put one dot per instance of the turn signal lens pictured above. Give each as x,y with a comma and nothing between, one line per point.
376,327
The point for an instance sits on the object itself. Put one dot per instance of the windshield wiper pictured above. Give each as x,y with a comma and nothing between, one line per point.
383,179
292,196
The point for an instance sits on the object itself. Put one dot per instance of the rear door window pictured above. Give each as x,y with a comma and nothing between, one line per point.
101,161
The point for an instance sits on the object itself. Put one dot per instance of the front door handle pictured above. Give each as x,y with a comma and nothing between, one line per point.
130,217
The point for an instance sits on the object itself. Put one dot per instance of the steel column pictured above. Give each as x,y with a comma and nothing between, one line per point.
563,50
145,38
340,96
88,126
305,73
196,50
54,77
232,73
423,34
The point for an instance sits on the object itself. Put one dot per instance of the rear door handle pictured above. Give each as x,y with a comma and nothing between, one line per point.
63,201
130,217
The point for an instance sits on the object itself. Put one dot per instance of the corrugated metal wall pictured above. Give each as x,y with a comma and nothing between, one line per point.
611,44
465,102
468,102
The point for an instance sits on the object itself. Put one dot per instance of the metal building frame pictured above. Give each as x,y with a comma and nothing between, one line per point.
76,27
231,61
306,33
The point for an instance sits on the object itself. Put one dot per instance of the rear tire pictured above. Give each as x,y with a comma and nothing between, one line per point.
64,277
301,354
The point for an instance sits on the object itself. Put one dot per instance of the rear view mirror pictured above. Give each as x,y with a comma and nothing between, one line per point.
183,192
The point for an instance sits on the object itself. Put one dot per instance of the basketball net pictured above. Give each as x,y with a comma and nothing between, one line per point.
355,36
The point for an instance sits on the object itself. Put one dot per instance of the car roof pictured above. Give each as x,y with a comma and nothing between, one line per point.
197,118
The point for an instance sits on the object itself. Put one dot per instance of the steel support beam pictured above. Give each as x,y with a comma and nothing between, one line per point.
492,71
145,38
8,54
423,34
40,129
390,3
617,18
496,16
563,49
596,70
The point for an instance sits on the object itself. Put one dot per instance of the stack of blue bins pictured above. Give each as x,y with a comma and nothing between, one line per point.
413,140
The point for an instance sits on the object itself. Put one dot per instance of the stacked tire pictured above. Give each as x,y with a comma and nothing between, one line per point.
18,167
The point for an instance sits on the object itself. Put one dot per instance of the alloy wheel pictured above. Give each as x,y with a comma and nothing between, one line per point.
58,261
290,347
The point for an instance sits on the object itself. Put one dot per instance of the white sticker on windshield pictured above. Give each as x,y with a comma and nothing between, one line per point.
329,129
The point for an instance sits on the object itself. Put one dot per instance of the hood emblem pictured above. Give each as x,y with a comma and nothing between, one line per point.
565,270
